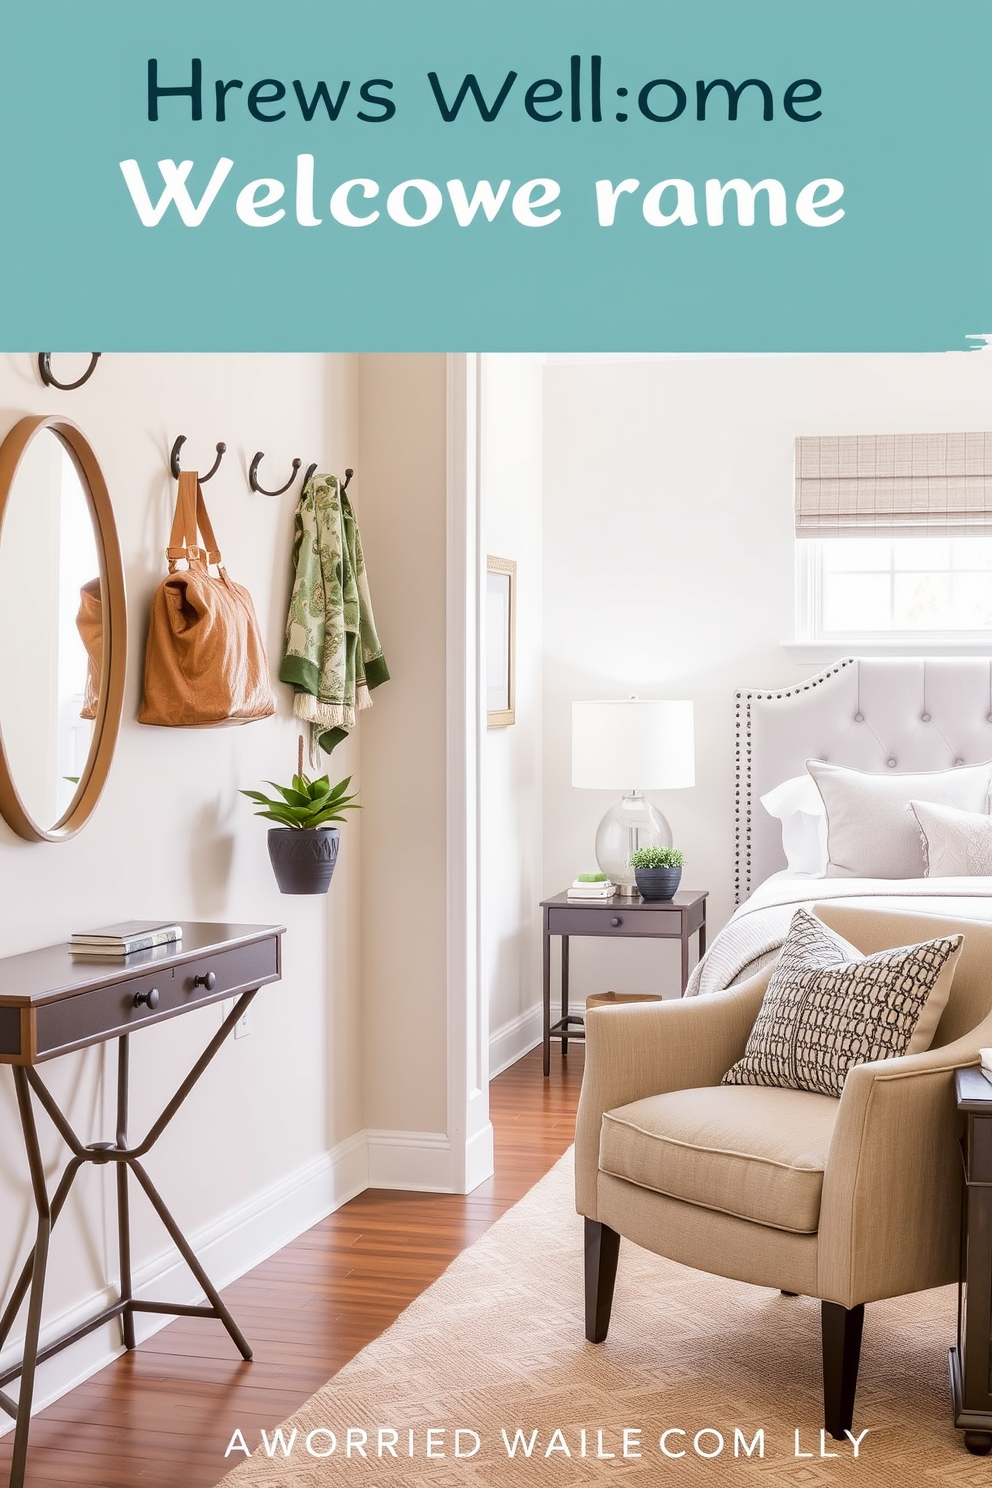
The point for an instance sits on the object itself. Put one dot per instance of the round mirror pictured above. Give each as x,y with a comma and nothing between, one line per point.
63,629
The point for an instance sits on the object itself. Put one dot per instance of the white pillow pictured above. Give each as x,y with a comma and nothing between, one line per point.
871,829
955,843
797,804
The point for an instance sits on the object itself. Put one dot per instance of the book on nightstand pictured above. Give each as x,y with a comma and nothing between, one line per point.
986,1065
593,886
124,937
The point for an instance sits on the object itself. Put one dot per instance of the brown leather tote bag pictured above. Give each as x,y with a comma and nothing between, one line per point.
204,662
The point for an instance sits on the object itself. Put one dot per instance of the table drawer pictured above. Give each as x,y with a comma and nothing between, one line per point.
100,1014
107,1012
979,1153
234,970
583,920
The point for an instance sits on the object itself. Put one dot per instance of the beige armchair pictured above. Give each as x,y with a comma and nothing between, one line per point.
847,1200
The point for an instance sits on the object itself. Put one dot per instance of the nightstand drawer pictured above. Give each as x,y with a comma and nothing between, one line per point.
614,920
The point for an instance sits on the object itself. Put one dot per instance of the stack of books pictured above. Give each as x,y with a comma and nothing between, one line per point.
592,886
986,1065
124,938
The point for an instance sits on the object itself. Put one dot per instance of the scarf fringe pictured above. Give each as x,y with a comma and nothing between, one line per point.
327,715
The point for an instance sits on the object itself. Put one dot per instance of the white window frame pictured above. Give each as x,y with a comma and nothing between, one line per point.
809,646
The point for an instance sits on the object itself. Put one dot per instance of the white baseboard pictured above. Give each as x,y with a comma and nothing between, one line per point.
410,1160
247,1235
228,1248
479,1157
513,1040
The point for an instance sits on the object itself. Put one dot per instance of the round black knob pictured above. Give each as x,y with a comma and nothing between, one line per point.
615,921
149,998
209,981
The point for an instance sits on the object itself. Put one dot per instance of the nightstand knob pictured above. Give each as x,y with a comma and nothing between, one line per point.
209,981
149,998
616,921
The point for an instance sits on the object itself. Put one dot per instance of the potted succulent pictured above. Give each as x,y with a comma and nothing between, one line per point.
303,847
657,871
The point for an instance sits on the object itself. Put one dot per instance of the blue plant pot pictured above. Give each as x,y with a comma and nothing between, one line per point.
657,883
303,860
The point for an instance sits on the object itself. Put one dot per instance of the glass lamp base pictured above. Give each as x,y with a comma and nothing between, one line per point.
633,822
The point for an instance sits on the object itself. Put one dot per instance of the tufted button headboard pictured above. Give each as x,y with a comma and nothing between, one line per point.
899,714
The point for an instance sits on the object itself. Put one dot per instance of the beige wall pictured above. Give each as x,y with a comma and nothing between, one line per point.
404,875
668,569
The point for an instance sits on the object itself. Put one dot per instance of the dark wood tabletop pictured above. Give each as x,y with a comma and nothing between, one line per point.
52,1001
53,971
683,899
974,1092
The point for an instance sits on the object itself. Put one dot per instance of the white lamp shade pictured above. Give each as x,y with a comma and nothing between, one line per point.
633,744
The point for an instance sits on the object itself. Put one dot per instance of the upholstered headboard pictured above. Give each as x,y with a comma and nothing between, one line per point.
908,713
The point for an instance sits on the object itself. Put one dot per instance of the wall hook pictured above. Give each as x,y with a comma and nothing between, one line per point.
311,471
45,368
253,476
175,467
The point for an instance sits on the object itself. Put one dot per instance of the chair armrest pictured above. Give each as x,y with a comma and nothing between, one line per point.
890,1211
649,1048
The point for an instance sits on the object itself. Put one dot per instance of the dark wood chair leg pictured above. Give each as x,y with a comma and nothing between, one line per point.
841,1329
602,1254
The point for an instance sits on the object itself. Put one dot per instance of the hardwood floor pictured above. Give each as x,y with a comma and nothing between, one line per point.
165,1413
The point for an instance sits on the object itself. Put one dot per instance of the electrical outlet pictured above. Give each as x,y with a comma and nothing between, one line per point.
243,1026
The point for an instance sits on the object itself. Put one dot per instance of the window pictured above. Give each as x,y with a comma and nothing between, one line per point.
894,537
875,587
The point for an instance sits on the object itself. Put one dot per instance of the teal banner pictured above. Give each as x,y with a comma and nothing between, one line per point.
601,175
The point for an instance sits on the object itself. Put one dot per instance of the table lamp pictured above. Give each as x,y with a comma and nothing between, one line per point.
631,745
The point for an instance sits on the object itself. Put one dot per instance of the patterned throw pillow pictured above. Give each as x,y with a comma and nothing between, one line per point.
827,1007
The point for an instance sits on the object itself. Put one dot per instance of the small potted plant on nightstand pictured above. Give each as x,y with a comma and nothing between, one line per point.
657,871
303,846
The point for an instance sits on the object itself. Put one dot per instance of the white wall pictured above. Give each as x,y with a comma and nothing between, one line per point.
668,568
512,812
172,837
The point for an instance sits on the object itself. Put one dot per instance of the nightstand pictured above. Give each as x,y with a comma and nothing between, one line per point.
658,919
971,1386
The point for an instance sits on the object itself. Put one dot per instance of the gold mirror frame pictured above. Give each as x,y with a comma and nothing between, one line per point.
112,671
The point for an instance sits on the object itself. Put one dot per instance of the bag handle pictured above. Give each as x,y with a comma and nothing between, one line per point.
191,516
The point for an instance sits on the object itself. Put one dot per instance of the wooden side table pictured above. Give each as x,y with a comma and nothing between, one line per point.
661,919
971,1362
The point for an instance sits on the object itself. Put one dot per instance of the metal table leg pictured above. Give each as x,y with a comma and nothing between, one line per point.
547,993
564,994
32,1277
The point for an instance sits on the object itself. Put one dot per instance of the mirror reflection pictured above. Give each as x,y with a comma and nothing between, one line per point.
51,632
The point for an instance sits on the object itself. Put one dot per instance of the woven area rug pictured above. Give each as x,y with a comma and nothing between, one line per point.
494,1351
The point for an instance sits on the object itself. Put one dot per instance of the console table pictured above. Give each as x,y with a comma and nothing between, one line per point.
678,918
971,1370
52,1002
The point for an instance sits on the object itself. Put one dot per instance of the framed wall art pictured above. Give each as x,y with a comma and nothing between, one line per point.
501,604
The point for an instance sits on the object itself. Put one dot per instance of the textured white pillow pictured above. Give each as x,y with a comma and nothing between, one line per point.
955,843
871,829
798,805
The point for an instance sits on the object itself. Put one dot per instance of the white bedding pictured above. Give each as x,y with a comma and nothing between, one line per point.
759,926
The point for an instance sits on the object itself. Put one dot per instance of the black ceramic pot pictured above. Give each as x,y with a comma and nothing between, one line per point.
303,860
657,883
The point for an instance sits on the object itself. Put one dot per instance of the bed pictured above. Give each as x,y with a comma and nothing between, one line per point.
888,717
